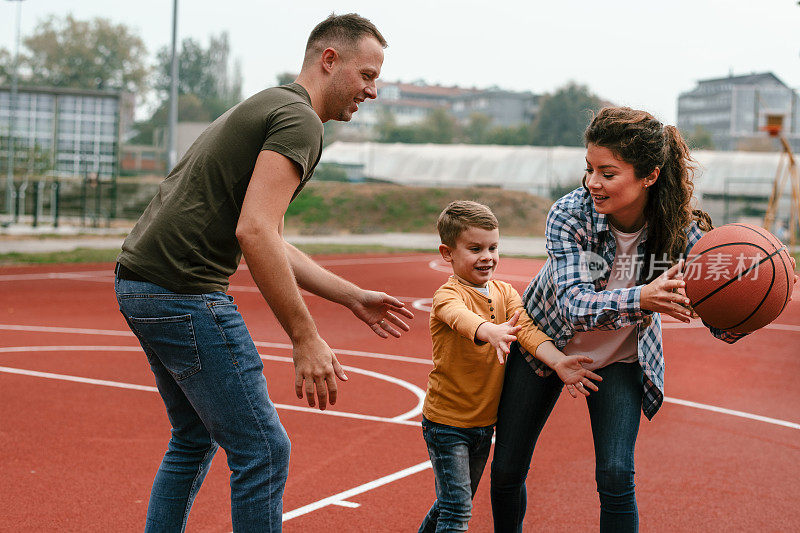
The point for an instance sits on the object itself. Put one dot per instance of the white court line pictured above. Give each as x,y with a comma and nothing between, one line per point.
398,419
345,414
79,331
122,333
109,278
423,304
87,275
740,414
254,289
48,348
419,393
372,355
401,419
351,505
336,499
133,386
366,487
76,379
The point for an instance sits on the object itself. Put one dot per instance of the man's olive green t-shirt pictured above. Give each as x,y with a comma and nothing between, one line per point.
186,239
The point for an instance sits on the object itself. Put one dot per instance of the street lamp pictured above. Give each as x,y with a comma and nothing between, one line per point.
12,109
172,142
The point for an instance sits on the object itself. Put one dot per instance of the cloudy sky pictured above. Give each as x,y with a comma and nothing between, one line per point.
634,52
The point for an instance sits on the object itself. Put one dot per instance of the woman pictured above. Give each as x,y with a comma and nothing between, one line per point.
615,248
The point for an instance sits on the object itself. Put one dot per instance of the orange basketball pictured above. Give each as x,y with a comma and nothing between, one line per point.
739,277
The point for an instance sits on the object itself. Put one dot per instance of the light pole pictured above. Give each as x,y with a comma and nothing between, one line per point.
172,147
11,111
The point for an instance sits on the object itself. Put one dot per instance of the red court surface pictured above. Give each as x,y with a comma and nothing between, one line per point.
82,430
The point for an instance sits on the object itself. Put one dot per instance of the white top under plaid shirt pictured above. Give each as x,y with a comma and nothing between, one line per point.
563,298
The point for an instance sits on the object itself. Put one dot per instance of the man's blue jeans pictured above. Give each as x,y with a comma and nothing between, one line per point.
525,405
211,379
458,456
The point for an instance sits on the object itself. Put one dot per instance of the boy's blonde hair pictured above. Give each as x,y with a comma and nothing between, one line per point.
463,214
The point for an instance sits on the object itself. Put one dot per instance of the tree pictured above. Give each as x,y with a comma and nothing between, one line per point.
439,127
513,135
285,78
203,72
564,115
389,132
700,139
190,109
6,67
207,85
477,129
194,76
94,54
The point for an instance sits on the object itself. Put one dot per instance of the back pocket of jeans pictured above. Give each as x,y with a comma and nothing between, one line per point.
172,340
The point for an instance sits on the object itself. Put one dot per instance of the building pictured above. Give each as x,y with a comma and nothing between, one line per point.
411,103
143,159
152,159
733,110
74,132
505,108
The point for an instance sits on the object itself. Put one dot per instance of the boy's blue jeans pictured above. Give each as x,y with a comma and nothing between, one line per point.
458,456
211,379
525,405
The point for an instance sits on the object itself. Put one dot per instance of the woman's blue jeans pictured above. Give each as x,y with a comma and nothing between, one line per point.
458,456
526,403
211,379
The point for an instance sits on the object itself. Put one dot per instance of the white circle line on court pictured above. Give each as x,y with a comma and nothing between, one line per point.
128,333
89,275
416,391
398,419
342,496
357,353
423,304
92,275
419,393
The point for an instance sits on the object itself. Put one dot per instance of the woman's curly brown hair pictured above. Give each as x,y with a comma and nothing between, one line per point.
640,139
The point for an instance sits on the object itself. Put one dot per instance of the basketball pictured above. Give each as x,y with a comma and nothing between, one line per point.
739,277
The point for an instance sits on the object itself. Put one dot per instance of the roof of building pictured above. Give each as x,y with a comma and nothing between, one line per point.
410,102
745,79
428,90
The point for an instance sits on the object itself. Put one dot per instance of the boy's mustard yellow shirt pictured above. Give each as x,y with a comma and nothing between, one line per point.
467,378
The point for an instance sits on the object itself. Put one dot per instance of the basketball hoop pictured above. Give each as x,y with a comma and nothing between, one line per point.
774,125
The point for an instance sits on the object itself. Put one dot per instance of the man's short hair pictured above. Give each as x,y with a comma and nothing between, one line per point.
341,30
463,214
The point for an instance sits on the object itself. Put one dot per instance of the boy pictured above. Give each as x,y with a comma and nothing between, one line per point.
473,322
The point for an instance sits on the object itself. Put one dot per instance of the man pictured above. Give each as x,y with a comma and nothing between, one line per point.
227,198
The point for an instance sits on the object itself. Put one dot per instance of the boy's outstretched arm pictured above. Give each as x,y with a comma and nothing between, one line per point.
500,336
569,368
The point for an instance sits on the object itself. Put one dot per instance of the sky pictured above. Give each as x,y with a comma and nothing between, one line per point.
638,53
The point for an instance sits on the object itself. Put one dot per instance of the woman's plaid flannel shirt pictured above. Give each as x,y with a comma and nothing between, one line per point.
563,298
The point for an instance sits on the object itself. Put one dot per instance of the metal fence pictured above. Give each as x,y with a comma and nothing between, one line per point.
84,201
